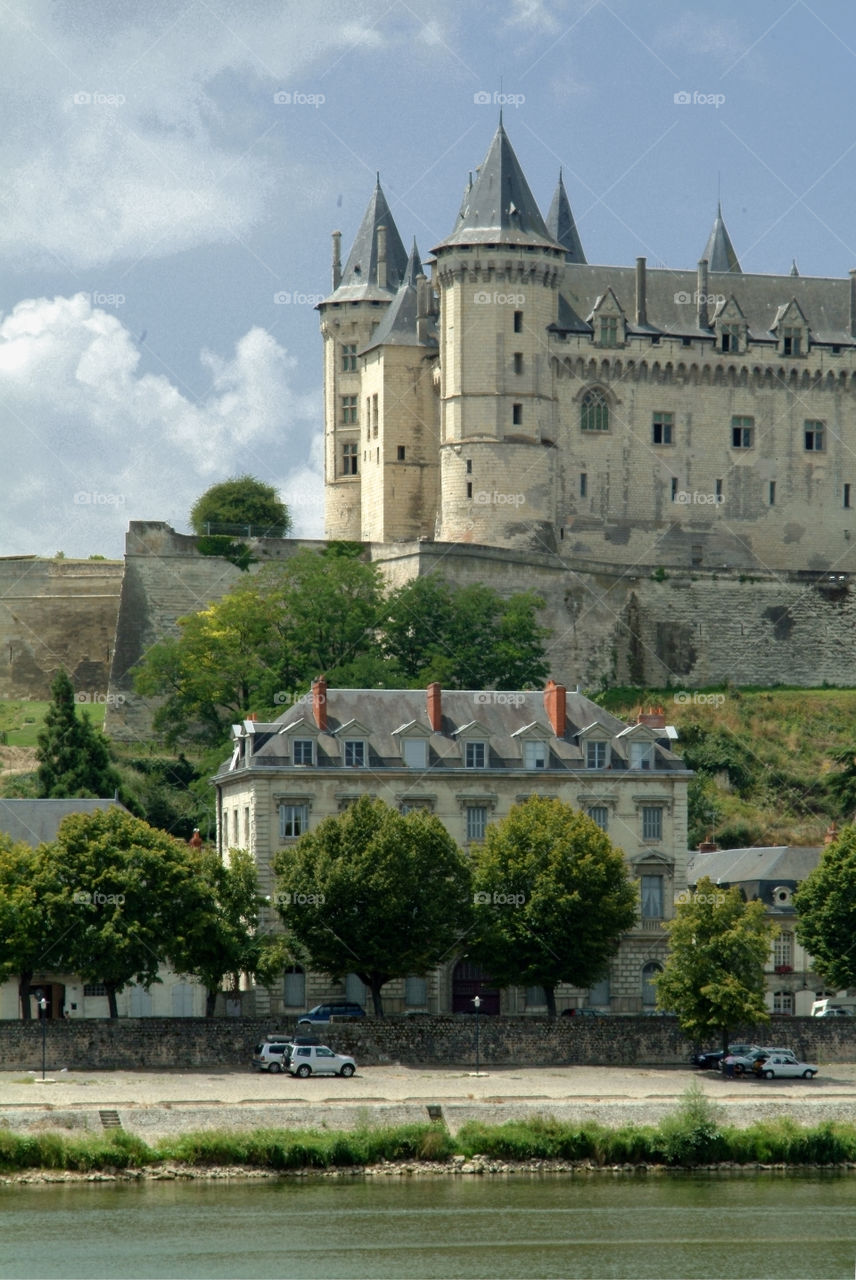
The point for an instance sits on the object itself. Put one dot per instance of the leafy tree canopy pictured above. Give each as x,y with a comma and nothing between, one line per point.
74,757
714,975
241,506
826,911
376,893
552,898
27,933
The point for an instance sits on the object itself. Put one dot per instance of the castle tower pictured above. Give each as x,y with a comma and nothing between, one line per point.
719,250
498,274
561,225
361,294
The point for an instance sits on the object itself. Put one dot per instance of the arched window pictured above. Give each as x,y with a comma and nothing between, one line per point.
649,991
783,1002
594,411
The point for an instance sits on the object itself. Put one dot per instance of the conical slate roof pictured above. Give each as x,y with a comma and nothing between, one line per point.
561,225
500,208
719,250
398,326
359,278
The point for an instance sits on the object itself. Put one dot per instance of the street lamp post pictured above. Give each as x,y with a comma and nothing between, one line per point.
43,1009
477,1003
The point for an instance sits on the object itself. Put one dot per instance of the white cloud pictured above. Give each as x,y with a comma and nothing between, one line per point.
91,443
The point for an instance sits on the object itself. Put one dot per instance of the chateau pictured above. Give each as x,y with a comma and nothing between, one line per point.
523,398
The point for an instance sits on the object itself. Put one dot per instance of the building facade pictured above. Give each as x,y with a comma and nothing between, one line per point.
523,398
468,757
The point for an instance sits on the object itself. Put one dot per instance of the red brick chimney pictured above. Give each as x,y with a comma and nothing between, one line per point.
654,718
555,697
319,703
708,846
251,715
435,706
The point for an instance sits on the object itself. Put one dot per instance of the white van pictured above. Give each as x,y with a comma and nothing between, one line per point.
826,1009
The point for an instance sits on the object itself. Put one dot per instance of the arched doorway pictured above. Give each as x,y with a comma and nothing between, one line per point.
470,980
649,991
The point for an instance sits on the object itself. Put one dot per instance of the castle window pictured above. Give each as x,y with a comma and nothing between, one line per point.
652,822
349,410
349,357
599,815
772,493
596,755
469,466
792,342
475,755
742,432
469,488
517,414
349,459
847,495
729,337
661,430
594,411
609,331
814,441
674,488
518,362
719,491
518,322
374,416
401,452
583,484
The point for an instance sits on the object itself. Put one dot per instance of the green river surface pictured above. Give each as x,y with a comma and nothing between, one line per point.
764,1225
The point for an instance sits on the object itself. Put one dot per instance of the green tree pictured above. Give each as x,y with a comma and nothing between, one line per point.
714,975
825,904
27,934
124,898
841,784
74,758
241,506
552,898
376,893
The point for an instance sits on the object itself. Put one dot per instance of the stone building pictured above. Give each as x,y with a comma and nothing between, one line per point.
468,757
524,398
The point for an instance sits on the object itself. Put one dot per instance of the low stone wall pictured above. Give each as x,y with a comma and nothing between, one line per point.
176,1043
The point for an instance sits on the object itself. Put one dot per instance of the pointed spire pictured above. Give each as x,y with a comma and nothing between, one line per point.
794,268
719,250
414,265
561,225
360,274
399,326
500,208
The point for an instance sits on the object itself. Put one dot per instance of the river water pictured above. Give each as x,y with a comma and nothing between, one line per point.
521,1228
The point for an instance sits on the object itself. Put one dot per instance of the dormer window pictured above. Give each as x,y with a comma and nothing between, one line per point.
609,331
596,755
354,753
414,753
641,755
302,751
791,330
729,337
475,755
534,755
792,340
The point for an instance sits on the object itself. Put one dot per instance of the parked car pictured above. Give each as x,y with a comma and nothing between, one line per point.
274,1052
778,1065
332,1009
317,1060
833,1011
708,1058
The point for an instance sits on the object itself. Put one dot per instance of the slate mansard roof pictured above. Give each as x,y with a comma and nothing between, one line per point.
382,717
757,870
37,822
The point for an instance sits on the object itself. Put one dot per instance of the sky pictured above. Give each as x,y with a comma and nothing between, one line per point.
172,171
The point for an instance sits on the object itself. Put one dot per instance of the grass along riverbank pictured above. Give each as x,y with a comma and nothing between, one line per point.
693,1135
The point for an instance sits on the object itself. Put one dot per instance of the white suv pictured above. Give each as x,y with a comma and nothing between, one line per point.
316,1060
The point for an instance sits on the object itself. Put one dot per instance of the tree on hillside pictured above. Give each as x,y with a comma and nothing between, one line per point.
714,975
374,892
74,758
552,898
28,936
825,904
242,507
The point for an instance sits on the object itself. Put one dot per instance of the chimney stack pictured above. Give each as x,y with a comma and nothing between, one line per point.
435,706
337,259
319,702
423,308
701,295
654,718
381,257
708,846
641,293
555,696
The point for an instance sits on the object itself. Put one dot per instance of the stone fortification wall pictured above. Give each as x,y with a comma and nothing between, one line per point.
175,1043
57,613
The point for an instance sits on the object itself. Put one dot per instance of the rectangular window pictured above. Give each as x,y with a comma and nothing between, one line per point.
414,752
609,331
674,488
791,342
475,755
783,948
469,466
741,432
476,821
235,836
401,452
772,493
518,322
518,362
847,495
374,416
469,488
596,755
719,491
661,429
293,820
349,410
652,822
517,414
583,484
302,751
355,753
600,815
94,989
814,441
783,1002
349,357
246,827
730,335
641,755
534,755
349,459
652,897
